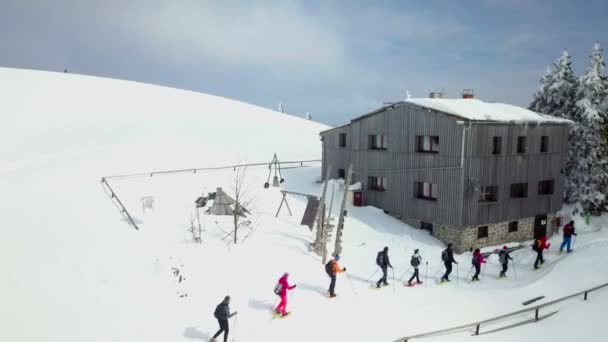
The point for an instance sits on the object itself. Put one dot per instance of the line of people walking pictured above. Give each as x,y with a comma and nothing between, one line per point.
332,268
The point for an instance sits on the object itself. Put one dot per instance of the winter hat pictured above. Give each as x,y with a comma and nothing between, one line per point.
415,251
449,245
504,247
337,257
286,274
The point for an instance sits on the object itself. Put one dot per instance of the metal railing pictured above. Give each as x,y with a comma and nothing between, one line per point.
477,325
195,170
123,208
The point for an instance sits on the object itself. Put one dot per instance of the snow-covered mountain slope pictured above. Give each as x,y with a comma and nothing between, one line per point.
74,270
46,113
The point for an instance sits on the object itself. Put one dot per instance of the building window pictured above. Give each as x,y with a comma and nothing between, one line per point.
341,173
496,145
377,142
545,187
426,191
521,145
513,226
427,144
519,190
488,193
482,232
342,139
544,144
376,183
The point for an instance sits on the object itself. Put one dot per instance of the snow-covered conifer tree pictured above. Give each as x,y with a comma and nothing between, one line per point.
588,183
557,97
557,92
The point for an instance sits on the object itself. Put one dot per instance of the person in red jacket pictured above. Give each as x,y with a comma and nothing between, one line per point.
282,307
539,246
477,261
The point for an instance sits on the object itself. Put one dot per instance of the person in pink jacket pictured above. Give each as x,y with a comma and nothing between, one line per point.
282,307
477,261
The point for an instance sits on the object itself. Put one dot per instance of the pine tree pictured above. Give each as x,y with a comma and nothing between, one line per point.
557,93
589,147
540,103
557,97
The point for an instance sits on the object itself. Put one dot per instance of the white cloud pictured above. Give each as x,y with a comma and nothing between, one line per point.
226,35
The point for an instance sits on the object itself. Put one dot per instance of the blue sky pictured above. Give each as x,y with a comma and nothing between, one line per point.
334,59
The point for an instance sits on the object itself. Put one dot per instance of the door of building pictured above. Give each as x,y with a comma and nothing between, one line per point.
540,226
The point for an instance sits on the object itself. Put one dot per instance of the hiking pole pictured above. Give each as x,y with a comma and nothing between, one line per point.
514,272
370,278
392,269
484,270
470,271
234,329
457,275
438,270
404,273
426,278
573,241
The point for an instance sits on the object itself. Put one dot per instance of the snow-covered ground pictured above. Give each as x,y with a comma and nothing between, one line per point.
74,270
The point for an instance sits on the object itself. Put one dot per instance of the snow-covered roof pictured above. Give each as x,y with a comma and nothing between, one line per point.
474,109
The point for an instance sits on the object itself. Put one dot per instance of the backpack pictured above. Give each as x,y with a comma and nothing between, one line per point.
216,313
475,260
277,289
444,255
502,257
415,261
328,268
380,259
535,246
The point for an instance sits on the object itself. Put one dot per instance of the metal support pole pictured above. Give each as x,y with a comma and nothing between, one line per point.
477,329
287,204
536,314
586,295
280,205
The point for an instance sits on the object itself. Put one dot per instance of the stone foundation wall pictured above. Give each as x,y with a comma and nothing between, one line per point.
464,238
414,223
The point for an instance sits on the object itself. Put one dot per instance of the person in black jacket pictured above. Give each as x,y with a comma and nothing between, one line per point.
503,258
448,258
383,261
222,313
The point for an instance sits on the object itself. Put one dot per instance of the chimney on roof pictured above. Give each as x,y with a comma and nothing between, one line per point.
437,95
468,94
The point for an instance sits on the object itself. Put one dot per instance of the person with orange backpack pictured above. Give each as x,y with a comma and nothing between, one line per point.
539,245
568,232
332,269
